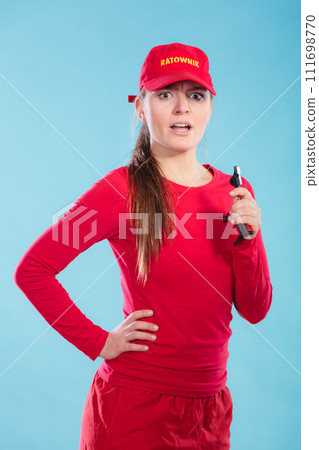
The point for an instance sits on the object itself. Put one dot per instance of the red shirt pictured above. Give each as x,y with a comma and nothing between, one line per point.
199,275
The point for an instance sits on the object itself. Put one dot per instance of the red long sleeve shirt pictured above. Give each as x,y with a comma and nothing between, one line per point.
199,275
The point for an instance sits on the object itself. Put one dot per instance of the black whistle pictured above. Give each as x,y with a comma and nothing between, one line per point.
236,178
242,227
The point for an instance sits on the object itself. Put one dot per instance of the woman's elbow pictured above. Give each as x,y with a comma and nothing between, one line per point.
256,314
19,274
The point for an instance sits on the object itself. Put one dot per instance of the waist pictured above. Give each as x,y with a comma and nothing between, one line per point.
166,375
189,356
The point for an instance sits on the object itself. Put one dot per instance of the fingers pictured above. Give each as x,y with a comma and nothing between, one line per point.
249,206
254,221
135,335
133,325
139,315
119,339
133,322
244,211
242,192
136,348
138,335
131,336
241,215
244,202
236,218
142,325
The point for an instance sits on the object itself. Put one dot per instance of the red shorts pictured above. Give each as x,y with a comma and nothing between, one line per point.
116,417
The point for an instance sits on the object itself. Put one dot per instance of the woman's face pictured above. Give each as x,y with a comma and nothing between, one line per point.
183,102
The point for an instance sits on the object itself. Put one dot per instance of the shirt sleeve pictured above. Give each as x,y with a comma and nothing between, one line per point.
91,219
253,288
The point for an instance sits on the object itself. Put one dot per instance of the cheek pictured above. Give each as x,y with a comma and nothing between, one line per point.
157,123
203,118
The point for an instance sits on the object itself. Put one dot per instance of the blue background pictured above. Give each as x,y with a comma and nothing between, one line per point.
76,62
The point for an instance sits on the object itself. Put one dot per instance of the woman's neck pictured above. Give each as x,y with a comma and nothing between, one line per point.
185,171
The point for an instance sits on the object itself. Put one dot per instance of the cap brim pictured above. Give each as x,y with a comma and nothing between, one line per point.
164,80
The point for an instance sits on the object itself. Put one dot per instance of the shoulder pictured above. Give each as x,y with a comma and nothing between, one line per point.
111,188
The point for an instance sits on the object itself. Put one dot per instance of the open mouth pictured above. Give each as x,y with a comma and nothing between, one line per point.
181,127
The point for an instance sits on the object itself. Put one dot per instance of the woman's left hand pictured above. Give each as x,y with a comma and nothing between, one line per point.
245,210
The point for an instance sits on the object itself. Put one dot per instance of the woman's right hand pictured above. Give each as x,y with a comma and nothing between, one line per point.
119,339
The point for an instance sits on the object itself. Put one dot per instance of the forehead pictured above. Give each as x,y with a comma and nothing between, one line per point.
188,84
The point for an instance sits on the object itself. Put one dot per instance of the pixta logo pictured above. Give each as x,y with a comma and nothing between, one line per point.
62,229
180,224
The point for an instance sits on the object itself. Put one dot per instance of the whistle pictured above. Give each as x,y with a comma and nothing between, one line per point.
244,230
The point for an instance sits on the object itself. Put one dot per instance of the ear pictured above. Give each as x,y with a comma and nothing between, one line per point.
139,109
211,109
211,106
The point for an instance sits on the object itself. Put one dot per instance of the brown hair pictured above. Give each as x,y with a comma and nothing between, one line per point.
148,194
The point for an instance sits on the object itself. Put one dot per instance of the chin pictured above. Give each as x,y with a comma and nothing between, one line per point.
182,148
184,145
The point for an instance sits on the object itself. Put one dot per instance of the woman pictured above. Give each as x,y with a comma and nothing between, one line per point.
162,381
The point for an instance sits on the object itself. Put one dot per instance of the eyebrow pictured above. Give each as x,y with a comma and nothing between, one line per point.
197,87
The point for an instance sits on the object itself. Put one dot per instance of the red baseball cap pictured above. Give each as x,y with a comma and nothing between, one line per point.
166,64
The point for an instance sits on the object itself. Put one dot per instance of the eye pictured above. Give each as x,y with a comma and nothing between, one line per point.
199,96
164,94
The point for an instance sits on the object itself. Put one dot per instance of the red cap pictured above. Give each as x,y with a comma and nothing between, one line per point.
166,64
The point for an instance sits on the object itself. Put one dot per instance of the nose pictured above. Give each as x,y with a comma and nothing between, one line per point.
181,103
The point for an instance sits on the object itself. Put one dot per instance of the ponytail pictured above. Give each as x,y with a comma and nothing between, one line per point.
148,193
